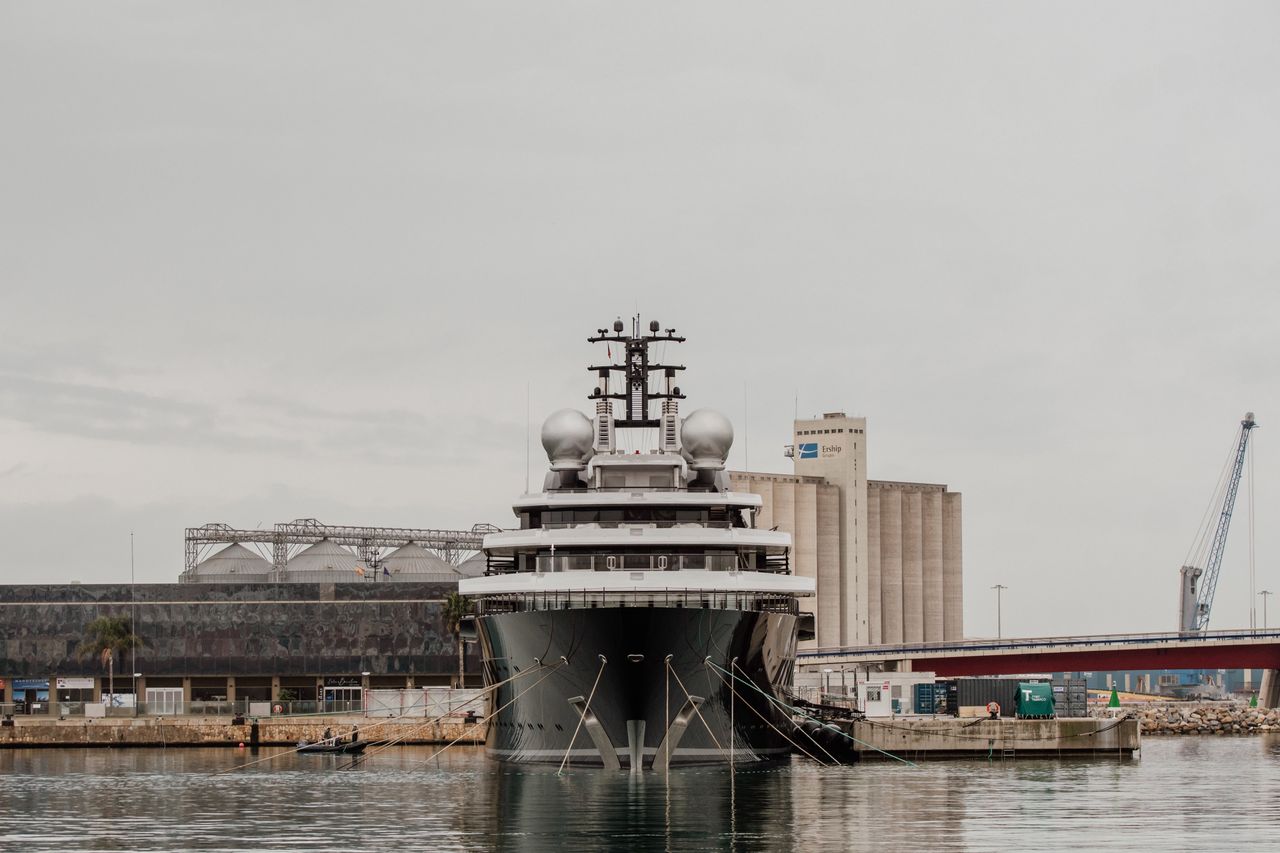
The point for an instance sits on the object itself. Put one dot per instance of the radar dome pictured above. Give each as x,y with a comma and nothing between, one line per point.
705,438
567,436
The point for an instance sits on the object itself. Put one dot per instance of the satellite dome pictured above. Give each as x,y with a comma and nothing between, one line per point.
567,436
705,438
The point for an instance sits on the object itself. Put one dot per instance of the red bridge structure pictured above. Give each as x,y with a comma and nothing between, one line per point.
1247,649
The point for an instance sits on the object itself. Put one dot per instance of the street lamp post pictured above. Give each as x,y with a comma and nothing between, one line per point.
133,628
999,588
1266,593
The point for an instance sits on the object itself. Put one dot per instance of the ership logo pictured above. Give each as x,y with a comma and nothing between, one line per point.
809,451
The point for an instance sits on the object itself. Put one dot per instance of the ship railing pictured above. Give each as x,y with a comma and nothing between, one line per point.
586,489
644,562
637,525
667,598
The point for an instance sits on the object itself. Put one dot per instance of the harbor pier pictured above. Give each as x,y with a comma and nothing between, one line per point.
1003,738
225,731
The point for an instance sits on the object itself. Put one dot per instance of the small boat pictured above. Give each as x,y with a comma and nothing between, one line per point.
334,748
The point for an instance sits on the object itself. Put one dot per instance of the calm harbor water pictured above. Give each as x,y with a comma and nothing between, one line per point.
1183,793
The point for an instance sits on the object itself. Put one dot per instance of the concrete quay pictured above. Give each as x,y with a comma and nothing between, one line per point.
981,738
222,731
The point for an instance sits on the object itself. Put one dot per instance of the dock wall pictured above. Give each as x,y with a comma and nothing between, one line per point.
951,737
212,731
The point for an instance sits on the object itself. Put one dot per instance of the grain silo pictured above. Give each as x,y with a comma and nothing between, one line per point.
233,564
326,562
412,562
474,566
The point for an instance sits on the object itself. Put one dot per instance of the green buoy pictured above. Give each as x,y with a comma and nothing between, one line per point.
1115,699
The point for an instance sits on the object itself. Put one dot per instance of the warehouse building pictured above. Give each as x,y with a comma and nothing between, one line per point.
886,556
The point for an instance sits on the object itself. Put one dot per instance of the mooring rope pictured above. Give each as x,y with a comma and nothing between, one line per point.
775,728
395,741
689,698
666,741
550,670
333,739
383,747
797,726
386,721
828,726
582,716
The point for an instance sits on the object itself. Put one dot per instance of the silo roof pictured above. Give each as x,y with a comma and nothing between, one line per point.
413,559
325,556
474,566
235,559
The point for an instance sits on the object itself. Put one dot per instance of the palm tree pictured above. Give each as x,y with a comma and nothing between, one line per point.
104,637
457,606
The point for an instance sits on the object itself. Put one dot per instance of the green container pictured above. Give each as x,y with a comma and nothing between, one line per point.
1035,701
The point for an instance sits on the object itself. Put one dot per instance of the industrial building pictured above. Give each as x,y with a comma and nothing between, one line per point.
303,614
206,647
887,556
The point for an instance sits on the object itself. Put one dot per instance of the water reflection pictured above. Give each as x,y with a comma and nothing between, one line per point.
1213,793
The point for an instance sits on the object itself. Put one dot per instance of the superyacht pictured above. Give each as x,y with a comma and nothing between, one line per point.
638,618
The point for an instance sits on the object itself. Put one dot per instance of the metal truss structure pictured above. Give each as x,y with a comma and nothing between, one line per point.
288,538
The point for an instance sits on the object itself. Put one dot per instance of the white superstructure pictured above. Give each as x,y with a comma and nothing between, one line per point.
613,521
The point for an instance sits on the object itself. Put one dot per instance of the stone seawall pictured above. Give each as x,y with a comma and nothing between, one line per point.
1221,719
219,731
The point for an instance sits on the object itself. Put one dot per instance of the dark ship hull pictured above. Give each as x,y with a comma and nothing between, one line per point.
635,669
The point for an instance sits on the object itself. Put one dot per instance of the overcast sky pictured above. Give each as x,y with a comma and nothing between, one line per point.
266,261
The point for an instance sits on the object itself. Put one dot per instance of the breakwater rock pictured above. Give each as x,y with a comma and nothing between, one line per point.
1223,719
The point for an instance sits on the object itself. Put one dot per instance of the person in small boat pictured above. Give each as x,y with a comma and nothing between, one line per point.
355,734
328,735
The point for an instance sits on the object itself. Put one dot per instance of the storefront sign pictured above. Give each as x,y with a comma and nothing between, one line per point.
31,684
75,683
342,681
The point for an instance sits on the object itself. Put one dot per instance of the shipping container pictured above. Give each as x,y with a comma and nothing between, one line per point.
978,692
930,698
1071,697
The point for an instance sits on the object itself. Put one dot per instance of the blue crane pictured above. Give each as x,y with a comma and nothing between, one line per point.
1196,599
